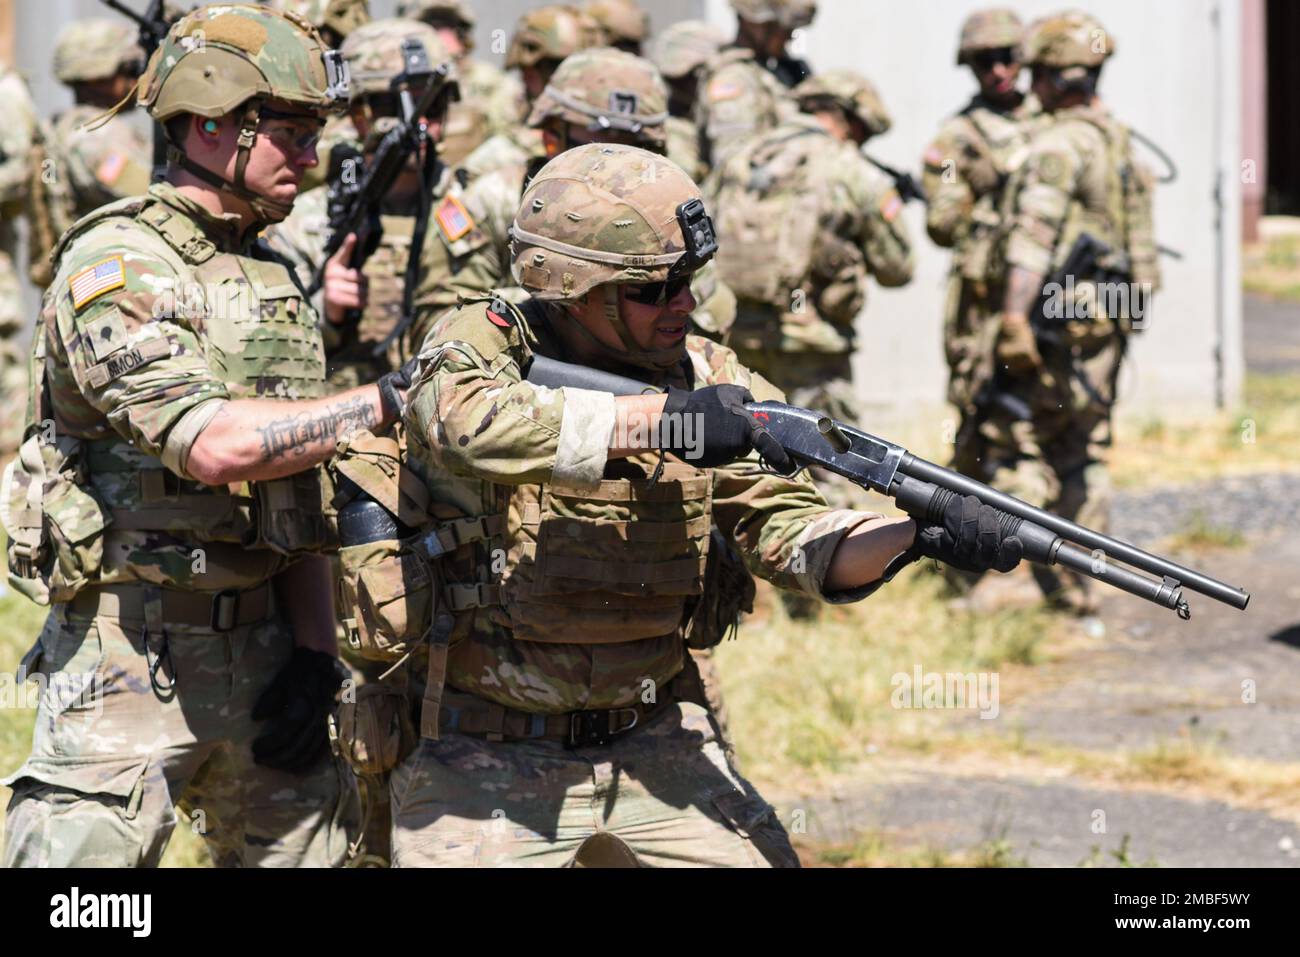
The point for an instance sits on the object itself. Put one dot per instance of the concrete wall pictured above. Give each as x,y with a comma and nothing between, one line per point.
1176,78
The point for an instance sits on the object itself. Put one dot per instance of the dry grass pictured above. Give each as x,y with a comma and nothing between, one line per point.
1272,268
1263,435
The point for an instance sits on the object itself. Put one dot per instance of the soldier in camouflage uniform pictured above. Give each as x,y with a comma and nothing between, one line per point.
680,53
19,139
803,221
552,733
966,168
490,100
744,90
1079,176
167,499
543,38
92,160
624,23
597,95
374,57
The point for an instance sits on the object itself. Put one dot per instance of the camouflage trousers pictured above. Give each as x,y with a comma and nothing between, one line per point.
665,795
111,755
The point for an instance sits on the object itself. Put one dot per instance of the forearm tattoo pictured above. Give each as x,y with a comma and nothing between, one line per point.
297,435
1022,290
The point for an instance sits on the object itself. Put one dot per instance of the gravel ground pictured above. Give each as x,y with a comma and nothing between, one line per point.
1246,504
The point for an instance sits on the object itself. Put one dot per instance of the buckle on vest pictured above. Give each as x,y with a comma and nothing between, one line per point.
225,610
587,728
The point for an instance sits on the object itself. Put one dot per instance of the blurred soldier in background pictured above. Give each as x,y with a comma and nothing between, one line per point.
624,23
680,53
19,162
1061,339
334,20
744,89
543,38
966,168
90,159
803,221
490,100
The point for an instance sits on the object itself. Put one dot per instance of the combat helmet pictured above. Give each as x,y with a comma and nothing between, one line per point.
1072,42
624,23
335,19
788,13
551,33
219,59
989,30
442,13
685,46
97,49
607,89
374,57
851,92
607,213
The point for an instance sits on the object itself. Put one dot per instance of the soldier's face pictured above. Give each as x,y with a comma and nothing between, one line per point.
282,151
659,323
997,71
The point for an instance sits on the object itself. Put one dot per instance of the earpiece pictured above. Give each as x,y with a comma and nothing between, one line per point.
211,126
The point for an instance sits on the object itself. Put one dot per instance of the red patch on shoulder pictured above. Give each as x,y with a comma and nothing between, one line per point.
497,320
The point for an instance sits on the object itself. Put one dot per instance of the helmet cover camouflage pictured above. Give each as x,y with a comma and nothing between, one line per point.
989,30
788,13
1072,42
684,47
95,50
374,53
341,16
603,89
220,56
551,33
622,20
851,92
599,213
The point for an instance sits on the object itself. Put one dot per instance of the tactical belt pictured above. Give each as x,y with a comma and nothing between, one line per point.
220,611
468,714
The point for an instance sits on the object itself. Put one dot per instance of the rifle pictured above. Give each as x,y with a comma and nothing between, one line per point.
923,490
354,201
908,188
153,24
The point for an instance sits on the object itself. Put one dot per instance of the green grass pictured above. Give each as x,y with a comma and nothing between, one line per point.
1271,269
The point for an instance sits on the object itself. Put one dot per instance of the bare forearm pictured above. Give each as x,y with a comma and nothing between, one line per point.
306,590
257,439
865,552
1023,287
636,424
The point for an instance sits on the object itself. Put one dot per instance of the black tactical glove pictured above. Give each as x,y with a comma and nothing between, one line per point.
971,538
721,431
295,706
394,385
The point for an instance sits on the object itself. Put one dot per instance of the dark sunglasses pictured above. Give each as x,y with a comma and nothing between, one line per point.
388,104
1002,56
655,293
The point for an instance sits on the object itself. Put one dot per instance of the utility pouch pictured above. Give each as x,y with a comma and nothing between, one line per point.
728,592
375,730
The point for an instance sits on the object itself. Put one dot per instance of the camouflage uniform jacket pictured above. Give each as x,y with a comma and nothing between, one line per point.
301,239
803,220
101,165
738,99
156,311
965,169
587,605
19,132
1080,176
517,146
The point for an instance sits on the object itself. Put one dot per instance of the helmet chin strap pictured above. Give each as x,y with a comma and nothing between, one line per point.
266,210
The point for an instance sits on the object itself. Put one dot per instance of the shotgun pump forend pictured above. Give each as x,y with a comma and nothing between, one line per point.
923,490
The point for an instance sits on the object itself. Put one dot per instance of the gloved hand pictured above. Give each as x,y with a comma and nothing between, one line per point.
295,706
722,431
1017,348
393,387
970,538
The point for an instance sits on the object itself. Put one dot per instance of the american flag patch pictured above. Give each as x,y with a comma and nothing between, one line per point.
94,281
453,219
